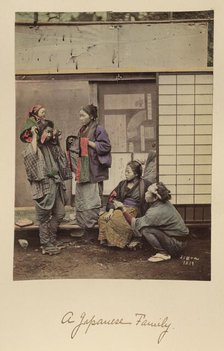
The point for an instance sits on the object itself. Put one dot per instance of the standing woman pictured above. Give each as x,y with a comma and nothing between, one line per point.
91,166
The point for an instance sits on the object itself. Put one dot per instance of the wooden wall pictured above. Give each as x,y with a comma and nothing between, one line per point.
62,99
104,47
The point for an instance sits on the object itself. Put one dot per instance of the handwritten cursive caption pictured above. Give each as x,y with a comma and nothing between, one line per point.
84,323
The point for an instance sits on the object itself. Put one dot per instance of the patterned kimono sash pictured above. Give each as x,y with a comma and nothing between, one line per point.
82,172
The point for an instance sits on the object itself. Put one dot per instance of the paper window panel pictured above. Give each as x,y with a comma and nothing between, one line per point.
167,89
185,199
170,130
203,179
203,139
167,139
185,160
203,149
167,160
172,188
167,99
203,119
203,109
185,169
203,89
185,89
185,119
167,170
189,129
203,129
185,179
185,99
185,139
167,150
203,169
167,109
167,79
185,109
202,199
185,189
185,149
204,79
204,99
168,179
203,160
167,119
173,199
185,79
203,189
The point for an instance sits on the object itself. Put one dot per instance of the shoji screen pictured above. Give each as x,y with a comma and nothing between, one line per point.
185,136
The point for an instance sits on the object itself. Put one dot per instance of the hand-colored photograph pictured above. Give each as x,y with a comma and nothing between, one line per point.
113,173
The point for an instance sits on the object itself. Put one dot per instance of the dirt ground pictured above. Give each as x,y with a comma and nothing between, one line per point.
84,258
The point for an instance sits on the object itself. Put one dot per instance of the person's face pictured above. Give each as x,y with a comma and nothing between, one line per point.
41,113
84,118
149,195
47,134
129,174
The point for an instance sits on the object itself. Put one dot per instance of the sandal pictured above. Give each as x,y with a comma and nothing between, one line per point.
77,234
134,244
50,249
59,244
159,257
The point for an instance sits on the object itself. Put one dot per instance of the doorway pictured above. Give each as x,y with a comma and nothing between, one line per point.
128,112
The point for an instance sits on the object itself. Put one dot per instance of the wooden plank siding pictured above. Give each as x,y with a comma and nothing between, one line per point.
52,49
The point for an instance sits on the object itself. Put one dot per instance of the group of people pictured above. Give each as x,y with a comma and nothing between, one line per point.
138,206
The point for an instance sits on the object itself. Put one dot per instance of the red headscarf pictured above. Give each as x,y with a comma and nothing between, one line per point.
34,110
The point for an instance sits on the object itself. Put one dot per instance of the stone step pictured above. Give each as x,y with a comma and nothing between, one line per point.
28,213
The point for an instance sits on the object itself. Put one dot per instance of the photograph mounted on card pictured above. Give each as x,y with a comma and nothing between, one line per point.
120,103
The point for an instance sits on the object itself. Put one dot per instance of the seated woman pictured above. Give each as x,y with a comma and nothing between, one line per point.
113,228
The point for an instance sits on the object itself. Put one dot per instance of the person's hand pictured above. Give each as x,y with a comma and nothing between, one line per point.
57,134
70,140
92,144
118,204
44,136
109,215
34,130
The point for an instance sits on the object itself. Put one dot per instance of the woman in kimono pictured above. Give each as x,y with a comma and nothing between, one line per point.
90,163
113,228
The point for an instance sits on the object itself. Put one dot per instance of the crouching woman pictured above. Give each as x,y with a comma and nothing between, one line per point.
113,228
162,225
